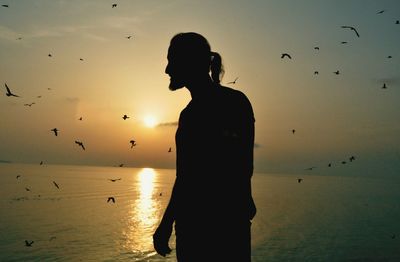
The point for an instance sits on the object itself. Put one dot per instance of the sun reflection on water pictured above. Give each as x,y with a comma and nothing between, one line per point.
144,213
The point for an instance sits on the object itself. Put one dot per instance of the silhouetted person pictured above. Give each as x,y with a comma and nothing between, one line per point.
211,201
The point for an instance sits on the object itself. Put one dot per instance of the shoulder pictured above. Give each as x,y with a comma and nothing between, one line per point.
236,98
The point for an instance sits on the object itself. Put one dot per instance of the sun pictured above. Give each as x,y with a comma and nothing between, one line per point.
150,121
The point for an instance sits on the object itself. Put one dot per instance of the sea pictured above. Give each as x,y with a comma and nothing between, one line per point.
63,209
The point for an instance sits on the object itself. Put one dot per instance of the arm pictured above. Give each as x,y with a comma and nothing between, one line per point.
164,230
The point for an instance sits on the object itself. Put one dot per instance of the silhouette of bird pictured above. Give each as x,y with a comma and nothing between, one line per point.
397,22
18,176
169,150
160,194
125,117
48,88
393,236
351,28
55,130
310,168
80,118
114,179
114,5
39,96
380,12
352,158
80,144
41,163
19,38
316,72
27,189
30,104
287,55
299,180
389,56
233,82
121,165
9,91
111,199
50,55
336,72
54,182
4,5
133,143
330,164
384,86
344,162
81,59
28,244
343,42
316,48
293,131
128,37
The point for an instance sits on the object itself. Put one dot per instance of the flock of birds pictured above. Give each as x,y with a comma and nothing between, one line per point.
133,143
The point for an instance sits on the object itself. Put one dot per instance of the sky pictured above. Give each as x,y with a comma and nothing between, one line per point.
97,73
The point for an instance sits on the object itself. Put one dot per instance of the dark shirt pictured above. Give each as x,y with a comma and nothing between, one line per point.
214,142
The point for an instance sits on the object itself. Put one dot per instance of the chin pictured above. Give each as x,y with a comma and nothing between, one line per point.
175,85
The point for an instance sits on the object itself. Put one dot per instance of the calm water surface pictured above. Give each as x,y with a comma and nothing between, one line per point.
321,219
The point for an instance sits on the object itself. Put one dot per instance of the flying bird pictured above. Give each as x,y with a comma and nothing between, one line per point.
18,176
299,180
52,238
41,163
352,158
393,236
39,96
384,86
55,130
27,189
293,131
397,22
50,55
80,144
128,37
287,55
54,182
81,59
28,244
343,42
9,93
316,48
133,143
233,82
310,168
380,12
330,164
114,179
336,72
19,38
125,117
344,162
316,72
111,199
4,5
80,118
169,150
389,56
351,28
29,104
121,165
114,5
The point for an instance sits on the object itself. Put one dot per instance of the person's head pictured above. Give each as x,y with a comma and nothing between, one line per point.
190,59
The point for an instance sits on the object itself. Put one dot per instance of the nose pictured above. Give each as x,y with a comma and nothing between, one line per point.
167,69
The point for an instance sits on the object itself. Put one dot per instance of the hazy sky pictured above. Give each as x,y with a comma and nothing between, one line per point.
335,116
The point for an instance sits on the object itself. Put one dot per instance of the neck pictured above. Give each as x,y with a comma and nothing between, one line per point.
200,87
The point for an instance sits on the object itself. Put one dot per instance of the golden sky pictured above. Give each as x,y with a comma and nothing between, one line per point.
335,116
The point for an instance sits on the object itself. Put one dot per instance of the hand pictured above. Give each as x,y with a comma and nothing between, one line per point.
161,238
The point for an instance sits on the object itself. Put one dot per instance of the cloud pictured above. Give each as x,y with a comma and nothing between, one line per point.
166,124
